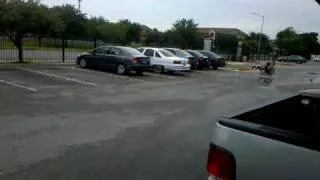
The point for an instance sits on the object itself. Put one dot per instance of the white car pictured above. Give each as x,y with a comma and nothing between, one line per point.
163,60
317,59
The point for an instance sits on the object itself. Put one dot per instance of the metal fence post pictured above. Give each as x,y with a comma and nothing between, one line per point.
63,50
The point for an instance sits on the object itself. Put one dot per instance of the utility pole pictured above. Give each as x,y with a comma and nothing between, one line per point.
260,39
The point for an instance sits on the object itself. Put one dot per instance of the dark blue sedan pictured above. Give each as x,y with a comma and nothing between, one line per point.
118,58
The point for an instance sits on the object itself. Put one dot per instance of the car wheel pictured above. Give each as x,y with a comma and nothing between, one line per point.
83,63
158,69
139,73
121,69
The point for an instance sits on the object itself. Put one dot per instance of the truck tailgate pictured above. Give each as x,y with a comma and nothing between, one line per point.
262,158
280,140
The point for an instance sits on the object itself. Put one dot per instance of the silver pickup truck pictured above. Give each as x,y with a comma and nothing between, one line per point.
278,141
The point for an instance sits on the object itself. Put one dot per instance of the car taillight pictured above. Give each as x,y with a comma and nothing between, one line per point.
221,164
176,62
136,60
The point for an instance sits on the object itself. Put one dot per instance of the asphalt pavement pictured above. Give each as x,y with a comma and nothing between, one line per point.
61,122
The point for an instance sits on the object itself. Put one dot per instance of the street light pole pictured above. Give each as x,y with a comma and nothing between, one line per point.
79,5
260,39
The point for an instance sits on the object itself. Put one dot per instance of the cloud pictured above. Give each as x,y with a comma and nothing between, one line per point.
279,14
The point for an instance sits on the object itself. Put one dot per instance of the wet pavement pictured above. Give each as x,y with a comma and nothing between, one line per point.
60,122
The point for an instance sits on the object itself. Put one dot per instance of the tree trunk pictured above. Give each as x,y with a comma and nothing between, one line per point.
95,43
18,44
39,41
16,39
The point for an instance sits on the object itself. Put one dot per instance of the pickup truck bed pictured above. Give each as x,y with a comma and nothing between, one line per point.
277,141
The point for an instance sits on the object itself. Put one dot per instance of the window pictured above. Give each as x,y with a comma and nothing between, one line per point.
192,53
114,51
140,49
195,53
181,53
149,52
131,51
158,55
101,50
166,53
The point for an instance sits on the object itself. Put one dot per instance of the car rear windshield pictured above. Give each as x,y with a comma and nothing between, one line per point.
216,55
197,54
181,53
166,53
131,51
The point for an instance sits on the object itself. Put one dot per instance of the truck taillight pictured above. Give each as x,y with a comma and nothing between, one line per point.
221,164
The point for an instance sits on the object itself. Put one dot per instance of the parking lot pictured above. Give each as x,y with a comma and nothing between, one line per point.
62,122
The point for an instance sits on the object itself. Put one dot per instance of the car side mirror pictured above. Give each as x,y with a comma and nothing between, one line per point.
92,52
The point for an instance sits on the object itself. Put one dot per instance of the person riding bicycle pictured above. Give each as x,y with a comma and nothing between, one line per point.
268,68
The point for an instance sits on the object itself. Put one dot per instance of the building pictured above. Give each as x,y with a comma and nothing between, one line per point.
213,32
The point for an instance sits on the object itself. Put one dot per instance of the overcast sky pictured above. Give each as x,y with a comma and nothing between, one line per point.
304,15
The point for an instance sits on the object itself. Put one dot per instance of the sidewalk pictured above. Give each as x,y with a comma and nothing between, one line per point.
246,66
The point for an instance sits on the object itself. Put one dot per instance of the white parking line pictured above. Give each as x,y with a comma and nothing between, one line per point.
60,77
108,74
18,85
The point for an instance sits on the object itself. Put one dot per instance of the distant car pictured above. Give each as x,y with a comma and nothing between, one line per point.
120,58
183,54
215,60
163,60
293,58
202,60
316,59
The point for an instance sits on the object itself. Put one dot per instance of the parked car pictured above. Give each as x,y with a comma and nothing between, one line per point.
120,58
215,60
293,58
162,60
202,61
316,59
276,141
183,54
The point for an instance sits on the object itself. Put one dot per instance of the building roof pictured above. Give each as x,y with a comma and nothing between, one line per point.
231,31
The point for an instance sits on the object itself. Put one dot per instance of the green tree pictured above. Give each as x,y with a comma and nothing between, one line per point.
73,20
289,42
186,32
152,37
310,44
94,28
226,43
251,44
20,18
169,39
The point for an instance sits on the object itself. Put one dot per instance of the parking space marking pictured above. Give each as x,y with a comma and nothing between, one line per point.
19,85
60,77
108,74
